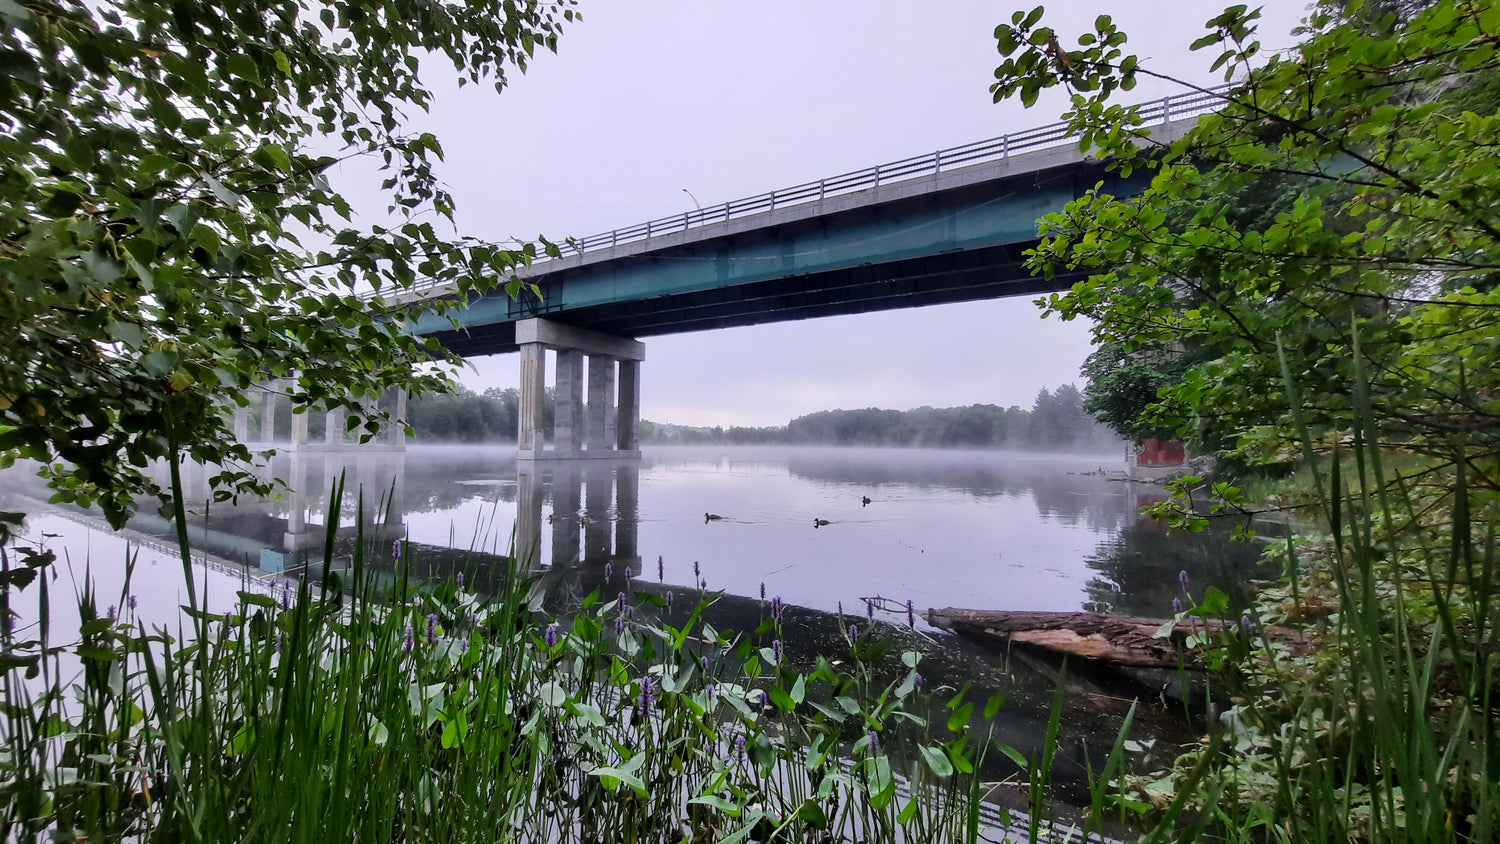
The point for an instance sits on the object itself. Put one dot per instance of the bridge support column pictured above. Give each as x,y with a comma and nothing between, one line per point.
611,423
333,426
242,424
398,418
268,413
299,429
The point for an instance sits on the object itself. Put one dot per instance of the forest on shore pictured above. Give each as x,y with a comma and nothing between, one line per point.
1057,421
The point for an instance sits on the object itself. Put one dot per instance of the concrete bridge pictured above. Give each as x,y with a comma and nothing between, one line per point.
951,226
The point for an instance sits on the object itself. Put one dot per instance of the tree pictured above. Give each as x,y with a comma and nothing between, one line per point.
1376,270
170,236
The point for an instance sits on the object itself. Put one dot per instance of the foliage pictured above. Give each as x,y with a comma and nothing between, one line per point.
170,236
1348,314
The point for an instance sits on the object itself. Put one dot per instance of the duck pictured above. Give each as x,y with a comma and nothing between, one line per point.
865,501
817,523
711,517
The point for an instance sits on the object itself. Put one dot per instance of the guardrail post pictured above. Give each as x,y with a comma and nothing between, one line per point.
1166,109
877,175
937,162
684,221
614,237
821,188
1005,146
648,228
773,200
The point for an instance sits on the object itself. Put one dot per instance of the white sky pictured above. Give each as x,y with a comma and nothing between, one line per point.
730,99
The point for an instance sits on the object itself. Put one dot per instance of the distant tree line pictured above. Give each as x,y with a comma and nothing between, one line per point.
1056,421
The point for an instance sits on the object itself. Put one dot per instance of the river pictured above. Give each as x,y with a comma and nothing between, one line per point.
983,530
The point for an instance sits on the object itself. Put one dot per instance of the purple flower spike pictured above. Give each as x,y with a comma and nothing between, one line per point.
870,609
874,743
1177,605
669,599
703,584
620,625
1247,624
776,650
609,571
278,641
661,571
628,574
432,627
131,602
113,612
739,748
911,615
696,572
762,590
710,691
704,661
853,632
1182,578
550,635
917,681
460,580
622,602
410,642
396,548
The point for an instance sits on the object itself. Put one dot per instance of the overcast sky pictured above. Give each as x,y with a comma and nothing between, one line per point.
647,98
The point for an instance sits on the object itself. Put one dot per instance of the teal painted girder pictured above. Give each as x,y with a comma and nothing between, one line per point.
1003,212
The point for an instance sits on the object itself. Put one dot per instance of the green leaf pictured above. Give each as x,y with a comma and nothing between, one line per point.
937,760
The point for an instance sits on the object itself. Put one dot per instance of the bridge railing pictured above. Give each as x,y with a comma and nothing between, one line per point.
1161,111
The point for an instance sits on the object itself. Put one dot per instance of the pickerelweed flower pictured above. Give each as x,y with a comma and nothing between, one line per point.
1182,578
131,602
622,602
661,570
620,625
1246,623
696,573
911,614
113,612
776,608
609,571
396,548
776,650
460,579
874,744
739,748
711,691
703,584
669,599
1177,606
870,608
550,635
917,681
763,590
628,574
228,620
411,640
647,697
703,660
432,627
853,632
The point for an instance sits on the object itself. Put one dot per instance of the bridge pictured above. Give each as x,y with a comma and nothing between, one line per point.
951,226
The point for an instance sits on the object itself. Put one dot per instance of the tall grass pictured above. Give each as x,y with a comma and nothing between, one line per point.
340,709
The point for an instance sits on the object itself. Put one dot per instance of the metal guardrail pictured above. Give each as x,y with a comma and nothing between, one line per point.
1158,112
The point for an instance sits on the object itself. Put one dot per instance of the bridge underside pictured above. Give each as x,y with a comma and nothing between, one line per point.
958,276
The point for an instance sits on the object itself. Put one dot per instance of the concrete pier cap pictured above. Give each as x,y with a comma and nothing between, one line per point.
614,367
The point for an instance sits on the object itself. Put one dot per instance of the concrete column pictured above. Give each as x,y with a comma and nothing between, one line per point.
601,402
333,426
533,393
299,429
268,414
567,433
242,424
398,417
626,436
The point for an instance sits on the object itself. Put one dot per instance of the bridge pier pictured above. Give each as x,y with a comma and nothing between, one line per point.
611,420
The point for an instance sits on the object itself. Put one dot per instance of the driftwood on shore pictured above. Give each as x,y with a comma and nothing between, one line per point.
1114,639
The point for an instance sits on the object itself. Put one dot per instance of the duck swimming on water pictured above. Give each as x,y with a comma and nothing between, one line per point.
711,517
817,523
864,502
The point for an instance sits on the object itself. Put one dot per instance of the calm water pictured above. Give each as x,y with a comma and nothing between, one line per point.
980,530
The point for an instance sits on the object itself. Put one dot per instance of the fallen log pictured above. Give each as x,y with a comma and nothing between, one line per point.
1113,639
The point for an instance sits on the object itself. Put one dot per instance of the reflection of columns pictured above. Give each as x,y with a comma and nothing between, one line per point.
533,394
627,504
598,489
610,433
629,417
528,515
299,427
567,425
601,402
567,488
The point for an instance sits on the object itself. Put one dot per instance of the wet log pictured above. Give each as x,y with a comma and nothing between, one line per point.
1123,640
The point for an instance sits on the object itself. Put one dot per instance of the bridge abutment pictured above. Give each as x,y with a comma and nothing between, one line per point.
609,427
